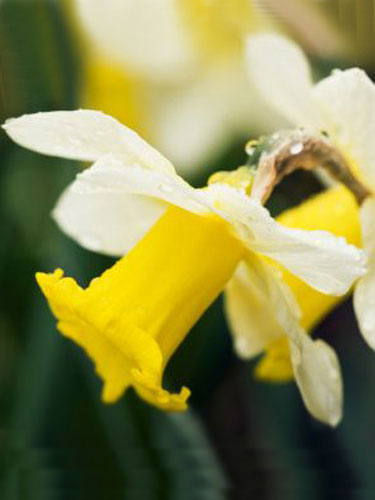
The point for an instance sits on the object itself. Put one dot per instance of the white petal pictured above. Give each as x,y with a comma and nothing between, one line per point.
191,122
83,135
367,216
364,306
318,376
315,365
146,37
324,261
110,175
106,222
247,308
364,293
111,206
347,99
281,74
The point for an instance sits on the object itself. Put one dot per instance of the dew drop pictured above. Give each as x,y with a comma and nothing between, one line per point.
296,148
250,147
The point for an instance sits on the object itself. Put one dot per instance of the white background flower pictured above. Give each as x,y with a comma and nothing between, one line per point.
187,59
343,105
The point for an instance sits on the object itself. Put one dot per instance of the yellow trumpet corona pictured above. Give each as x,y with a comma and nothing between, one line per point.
133,317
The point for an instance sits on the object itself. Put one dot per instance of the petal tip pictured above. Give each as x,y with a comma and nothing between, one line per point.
45,280
153,393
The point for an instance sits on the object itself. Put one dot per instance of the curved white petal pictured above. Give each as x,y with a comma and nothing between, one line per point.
324,261
347,100
106,222
281,74
110,175
364,306
111,206
364,293
148,37
83,135
247,308
318,376
315,365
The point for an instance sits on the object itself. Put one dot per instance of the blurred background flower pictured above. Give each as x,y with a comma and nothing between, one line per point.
181,63
189,98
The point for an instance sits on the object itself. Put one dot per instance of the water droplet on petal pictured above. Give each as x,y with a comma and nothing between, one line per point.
296,148
250,147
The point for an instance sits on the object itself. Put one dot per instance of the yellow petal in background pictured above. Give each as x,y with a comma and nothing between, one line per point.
336,211
131,319
218,27
107,87
275,365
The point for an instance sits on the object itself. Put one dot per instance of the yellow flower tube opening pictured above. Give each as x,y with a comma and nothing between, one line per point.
133,317
336,211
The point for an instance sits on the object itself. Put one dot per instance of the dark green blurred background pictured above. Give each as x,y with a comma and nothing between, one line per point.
241,438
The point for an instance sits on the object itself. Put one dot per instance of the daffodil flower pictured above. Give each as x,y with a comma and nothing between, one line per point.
342,106
182,246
